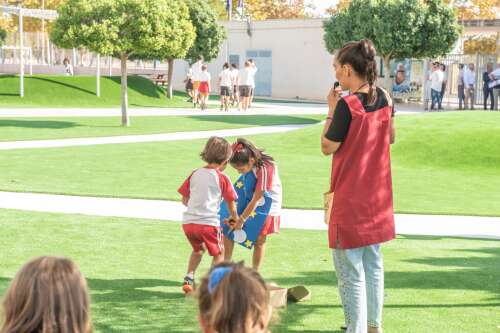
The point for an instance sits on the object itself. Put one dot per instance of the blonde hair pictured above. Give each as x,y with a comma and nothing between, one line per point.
48,295
238,303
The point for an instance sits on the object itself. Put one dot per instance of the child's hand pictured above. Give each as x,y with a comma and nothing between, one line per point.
230,222
239,224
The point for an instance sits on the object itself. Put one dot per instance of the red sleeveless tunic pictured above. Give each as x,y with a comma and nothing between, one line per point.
361,179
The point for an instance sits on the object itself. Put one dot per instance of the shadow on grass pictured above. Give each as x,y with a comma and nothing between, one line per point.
63,84
259,120
141,85
37,123
141,305
9,94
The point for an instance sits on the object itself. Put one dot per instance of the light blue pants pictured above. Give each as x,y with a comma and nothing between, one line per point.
360,275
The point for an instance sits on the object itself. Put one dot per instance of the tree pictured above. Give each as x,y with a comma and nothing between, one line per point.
274,9
481,44
158,29
398,28
3,34
341,5
209,36
476,9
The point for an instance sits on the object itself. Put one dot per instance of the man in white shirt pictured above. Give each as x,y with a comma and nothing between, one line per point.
235,74
469,84
196,67
225,84
495,85
437,78
252,78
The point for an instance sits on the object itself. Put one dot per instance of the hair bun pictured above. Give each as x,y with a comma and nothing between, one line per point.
368,49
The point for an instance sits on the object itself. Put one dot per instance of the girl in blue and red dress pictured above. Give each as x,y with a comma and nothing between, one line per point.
248,158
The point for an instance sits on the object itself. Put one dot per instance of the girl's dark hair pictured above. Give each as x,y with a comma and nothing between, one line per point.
204,67
361,56
226,65
244,150
239,303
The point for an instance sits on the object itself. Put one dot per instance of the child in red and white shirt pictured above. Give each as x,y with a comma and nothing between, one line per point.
202,194
248,158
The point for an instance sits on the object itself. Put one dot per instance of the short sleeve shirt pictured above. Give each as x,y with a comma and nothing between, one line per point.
342,117
205,189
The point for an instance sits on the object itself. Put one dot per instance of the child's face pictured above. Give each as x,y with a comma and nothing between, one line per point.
245,168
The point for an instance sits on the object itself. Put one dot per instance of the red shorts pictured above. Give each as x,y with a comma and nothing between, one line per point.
204,237
271,226
203,89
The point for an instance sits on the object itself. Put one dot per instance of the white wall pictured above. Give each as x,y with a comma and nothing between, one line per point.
301,65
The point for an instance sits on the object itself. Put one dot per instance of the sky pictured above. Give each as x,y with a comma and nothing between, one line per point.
322,5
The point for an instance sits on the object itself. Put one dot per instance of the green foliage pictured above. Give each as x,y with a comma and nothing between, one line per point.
209,34
398,28
3,34
150,28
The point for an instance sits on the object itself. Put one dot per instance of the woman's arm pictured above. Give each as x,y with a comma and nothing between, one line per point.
393,131
329,147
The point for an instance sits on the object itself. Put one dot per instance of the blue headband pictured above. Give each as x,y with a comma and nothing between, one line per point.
216,276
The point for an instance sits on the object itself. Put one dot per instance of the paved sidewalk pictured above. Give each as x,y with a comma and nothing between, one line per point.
259,109
176,136
434,225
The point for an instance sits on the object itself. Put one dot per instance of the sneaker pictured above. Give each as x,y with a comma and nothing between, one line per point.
188,286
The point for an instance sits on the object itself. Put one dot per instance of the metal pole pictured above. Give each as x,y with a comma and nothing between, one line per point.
110,63
426,84
98,76
31,61
21,58
43,34
229,18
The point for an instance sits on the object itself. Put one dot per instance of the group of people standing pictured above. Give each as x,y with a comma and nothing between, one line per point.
236,87
466,86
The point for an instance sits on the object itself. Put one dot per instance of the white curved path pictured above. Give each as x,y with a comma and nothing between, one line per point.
176,136
435,225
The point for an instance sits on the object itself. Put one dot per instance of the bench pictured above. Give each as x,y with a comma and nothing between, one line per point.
159,79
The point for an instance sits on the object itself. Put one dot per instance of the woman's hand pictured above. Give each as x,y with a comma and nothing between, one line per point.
332,98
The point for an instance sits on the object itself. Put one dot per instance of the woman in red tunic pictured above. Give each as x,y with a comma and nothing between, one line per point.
358,133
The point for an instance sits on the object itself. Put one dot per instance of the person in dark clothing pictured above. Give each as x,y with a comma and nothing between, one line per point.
487,91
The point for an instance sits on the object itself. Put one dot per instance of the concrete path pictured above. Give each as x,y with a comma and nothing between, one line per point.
435,225
259,109
176,136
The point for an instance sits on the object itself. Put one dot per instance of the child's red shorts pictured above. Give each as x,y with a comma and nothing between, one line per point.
204,237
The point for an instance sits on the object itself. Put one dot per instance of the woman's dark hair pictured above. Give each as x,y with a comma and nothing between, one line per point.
443,67
226,65
361,56
204,67
234,66
244,150
461,66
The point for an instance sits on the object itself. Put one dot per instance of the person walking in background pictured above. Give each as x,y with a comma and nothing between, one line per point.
189,83
445,80
460,87
487,91
245,85
225,84
197,71
495,85
469,86
252,81
205,87
437,78
235,76
68,68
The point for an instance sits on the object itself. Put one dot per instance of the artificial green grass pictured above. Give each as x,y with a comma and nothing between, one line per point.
135,267
442,164
79,91
79,127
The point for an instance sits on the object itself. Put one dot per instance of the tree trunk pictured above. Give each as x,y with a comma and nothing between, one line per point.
125,118
170,76
387,74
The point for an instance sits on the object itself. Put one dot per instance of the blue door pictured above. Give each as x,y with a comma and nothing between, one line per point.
264,77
